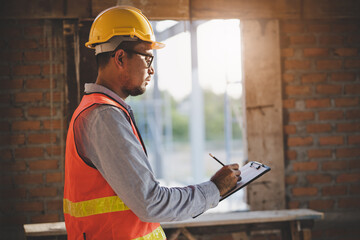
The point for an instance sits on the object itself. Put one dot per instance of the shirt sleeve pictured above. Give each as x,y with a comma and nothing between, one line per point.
107,140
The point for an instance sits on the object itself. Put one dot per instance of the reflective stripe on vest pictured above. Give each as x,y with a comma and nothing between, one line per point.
94,206
157,234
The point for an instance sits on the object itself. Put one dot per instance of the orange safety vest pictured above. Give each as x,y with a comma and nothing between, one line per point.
92,210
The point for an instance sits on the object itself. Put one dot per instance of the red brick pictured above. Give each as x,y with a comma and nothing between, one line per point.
290,129
42,138
302,39
319,153
330,115
6,154
288,77
347,102
29,152
28,179
319,178
298,90
16,166
331,140
54,97
299,141
4,126
354,139
352,89
34,30
304,191
13,139
291,155
348,178
347,152
328,89
287,52
353,114
12,84
301,116
291,180
25,97
26,125
52,124
316,52
293,204
320,204
23,44
348,127
331,40
36,56
288,103
54,205
334,190
5,99
297,64
318,103
319,28
354,164
292,27
38,84
52,69
43,164
334,165
328,64
54,150
313,78
41,111
346,52
305,166
4,70
318,128
45,218
43,192
342,28
354,189
353,39
26,70
16,193
29,206
353,202
54,177
344,77
11,112
352,63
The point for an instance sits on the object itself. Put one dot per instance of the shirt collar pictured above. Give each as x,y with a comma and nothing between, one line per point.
93,87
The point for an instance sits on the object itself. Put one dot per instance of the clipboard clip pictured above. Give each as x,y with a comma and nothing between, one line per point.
256,165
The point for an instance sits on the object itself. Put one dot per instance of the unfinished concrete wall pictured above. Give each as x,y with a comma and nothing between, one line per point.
32,124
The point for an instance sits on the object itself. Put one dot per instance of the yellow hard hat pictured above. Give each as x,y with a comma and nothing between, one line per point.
120,21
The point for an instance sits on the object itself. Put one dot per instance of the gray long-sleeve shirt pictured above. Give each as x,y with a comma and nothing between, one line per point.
104,137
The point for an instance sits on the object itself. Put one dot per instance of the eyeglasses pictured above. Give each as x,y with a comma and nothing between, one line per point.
148,58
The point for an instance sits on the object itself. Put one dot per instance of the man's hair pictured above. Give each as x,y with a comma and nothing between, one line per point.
103,59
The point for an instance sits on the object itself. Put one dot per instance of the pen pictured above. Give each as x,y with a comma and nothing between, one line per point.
216,159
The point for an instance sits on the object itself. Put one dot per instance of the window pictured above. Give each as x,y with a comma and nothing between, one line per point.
194,108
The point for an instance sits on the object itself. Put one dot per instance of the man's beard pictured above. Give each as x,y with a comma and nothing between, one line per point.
136,91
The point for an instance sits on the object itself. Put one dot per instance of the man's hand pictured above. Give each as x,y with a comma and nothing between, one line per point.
226,178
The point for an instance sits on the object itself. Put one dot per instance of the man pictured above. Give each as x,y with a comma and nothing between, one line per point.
110,190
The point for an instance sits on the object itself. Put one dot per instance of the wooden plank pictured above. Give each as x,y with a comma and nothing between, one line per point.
214,219
262,82
152,9
244,9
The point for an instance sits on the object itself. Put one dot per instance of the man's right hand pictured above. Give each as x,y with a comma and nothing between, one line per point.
226,178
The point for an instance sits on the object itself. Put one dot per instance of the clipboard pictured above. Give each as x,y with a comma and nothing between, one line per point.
249,172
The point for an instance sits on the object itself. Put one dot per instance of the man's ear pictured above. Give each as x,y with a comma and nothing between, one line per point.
119,54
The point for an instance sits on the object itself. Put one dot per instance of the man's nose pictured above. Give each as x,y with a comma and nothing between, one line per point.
151,70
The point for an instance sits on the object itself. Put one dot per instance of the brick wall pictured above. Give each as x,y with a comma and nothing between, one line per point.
321,99
32,123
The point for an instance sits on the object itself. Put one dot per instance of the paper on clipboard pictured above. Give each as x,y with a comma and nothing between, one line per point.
249,172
